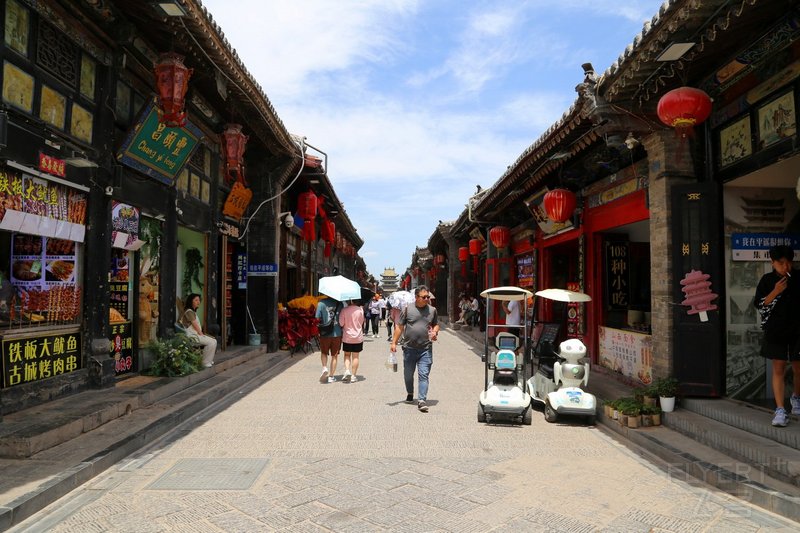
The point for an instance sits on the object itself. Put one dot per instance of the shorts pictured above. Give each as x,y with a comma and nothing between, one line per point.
786,351
330,345
352,348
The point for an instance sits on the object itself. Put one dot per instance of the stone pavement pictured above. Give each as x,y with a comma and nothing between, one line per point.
286,453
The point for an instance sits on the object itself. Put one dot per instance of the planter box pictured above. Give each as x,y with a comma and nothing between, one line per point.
650,401
634,421
647,421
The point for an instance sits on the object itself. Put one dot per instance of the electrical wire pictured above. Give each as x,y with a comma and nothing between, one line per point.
300,146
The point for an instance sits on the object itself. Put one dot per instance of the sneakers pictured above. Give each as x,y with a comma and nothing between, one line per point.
423,407
780,420
346,377
331,379
208,365
323,378
409,398
795,404
353,378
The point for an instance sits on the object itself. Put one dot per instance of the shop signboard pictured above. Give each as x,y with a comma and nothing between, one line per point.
617,275
122,347
526,271
31,359
237,201
156,150
626,352
52,165
535,205
755,246
37,206
241,271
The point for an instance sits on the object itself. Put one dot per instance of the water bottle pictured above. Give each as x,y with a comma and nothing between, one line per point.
391,362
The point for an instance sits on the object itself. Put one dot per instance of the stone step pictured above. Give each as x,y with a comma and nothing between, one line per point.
747,417
762,453
30,431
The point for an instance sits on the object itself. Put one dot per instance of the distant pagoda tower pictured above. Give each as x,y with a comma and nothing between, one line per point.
389,281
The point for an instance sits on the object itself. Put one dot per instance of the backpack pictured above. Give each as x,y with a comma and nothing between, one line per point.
330,315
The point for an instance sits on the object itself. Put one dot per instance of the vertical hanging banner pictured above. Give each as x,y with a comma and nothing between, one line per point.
617,275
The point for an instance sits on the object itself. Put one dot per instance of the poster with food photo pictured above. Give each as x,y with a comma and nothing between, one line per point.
59,261
26,260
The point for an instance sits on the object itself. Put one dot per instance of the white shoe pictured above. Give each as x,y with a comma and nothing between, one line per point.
323,378
346,377
331,379
353,378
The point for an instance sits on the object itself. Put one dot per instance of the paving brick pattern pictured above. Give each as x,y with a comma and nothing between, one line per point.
296,455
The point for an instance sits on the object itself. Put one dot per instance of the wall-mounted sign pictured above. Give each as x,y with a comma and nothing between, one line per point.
231,230
241,271
262,269
51,165
755,246
122,347
626,352
617,275
157,150
237,202
30,359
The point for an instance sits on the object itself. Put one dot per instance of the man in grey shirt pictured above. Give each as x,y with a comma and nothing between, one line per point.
419,327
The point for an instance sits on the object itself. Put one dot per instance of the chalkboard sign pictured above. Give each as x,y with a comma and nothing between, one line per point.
617,275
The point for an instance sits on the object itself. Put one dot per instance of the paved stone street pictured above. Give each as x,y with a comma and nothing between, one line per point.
296,455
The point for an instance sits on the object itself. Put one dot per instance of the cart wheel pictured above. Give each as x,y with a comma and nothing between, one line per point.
591,420
481,413
527,418
549,413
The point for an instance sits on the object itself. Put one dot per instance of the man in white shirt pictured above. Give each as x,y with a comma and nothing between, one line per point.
511,309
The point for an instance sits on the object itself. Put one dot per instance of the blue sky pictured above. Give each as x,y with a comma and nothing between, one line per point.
417,102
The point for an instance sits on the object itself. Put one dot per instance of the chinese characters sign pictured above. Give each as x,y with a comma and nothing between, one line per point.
237,202
526,271
617,276
626,352
36,358
241,271
51,165
122,347
262,269
755,246
157,150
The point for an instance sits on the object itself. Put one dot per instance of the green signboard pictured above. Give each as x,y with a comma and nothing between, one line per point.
157,150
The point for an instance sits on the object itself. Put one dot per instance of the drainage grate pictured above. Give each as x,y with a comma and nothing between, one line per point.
211,474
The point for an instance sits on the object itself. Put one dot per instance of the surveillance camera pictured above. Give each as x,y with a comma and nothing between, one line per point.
288,220
109,190
179,211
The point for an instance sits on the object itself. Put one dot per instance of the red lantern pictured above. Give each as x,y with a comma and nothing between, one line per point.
500,236
683,108
328,231
234,143
475,246
463,255
559,204
172,81
439,260
307,209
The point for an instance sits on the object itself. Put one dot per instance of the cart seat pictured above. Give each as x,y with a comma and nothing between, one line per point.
547,358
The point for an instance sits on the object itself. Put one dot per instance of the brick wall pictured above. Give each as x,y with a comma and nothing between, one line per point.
669,163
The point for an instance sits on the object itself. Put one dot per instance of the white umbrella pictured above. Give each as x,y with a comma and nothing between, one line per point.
339,288
400,299
563,295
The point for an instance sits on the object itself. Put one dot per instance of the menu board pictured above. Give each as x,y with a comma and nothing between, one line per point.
41,262
525,271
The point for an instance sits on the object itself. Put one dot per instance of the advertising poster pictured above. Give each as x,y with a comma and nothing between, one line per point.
525,271
30,359
626,352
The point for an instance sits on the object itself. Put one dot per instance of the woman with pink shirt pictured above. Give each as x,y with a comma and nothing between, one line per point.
351,318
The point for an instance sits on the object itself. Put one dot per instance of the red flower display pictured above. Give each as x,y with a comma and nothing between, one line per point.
297,326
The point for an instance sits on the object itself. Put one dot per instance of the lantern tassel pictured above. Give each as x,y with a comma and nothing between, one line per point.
309,232
327,251
463,269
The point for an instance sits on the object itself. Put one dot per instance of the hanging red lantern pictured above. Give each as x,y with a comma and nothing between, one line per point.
684,108
475,246
234,143
439,260
172,82
500,236
463,255
328,231
307,209
559,204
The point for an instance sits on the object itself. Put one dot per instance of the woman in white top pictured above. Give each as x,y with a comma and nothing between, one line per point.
193,329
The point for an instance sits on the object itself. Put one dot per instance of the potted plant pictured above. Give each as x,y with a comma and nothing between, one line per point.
649,396
173,357
655,413
667,389
633,412
608,408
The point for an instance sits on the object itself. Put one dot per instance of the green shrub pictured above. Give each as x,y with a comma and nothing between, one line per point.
177,356
666,387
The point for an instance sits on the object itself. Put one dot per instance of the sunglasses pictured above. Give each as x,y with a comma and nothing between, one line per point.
426,297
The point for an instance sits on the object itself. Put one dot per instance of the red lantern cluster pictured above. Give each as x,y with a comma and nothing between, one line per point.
234,143
559,204
684,108
307,209
500,236
172,82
